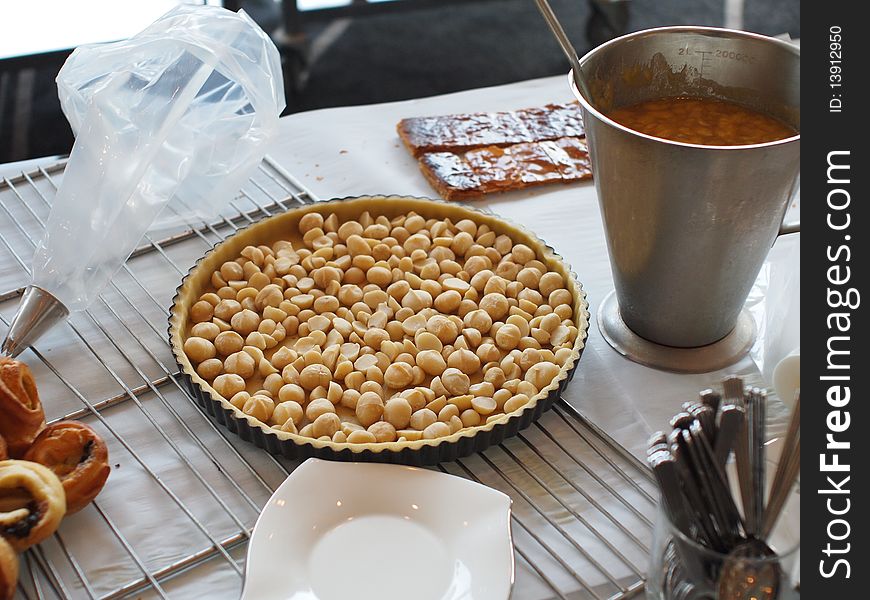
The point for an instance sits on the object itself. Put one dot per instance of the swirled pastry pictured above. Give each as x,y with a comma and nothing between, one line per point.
32,503
77,455
8,570
21,415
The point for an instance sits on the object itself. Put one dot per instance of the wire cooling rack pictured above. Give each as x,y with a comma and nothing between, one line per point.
176,514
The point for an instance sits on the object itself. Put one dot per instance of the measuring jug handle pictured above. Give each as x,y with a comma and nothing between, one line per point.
789,227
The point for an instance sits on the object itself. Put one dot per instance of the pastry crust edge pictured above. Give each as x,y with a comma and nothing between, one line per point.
269,230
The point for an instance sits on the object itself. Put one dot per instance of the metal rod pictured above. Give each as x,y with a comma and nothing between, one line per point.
47,569
603,539
138,403
591,500
112,401
551,521
86,585
526,558
641,467
591,472
555,555
123,540
564,42
166,437
177,567
34,580
129,449
52,168
292,179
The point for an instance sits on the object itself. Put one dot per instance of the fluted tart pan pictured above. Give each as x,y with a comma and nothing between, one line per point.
421,452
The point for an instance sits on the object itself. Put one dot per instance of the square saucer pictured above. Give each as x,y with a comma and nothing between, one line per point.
335,530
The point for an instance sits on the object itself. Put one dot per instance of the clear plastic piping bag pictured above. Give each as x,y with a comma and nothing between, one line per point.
185,110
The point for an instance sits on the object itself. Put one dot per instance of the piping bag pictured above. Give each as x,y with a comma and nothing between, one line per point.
183,111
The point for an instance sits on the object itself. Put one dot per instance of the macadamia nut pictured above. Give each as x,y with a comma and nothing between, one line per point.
378,329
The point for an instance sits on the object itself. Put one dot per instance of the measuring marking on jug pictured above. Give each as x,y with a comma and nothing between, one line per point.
718,53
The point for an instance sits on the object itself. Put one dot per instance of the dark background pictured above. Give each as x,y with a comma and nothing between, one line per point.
823,132
399,54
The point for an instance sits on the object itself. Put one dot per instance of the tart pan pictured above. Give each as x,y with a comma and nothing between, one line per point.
421,452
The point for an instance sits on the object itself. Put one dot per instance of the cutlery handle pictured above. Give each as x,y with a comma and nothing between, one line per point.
565,43
730,423
665,472
744,475
759,423
558,31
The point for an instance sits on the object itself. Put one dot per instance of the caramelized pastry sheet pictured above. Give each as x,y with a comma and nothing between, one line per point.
495,169
456,133
553,121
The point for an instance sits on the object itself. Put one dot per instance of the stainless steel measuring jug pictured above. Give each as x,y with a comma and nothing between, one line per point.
688,226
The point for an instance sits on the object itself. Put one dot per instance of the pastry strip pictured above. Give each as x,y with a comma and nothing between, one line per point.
456,133
495,169
572,156
553,121
450,175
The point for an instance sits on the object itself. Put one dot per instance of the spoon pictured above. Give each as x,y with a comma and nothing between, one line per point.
567,47
731,419
710,398
685,566
718,483
706,416
694,502
665,470
760,470
748,573
732,386
742,455
756,415
679,585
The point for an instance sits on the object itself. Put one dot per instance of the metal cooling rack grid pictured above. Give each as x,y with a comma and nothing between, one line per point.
583,507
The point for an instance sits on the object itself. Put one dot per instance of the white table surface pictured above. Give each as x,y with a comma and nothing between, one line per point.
355,151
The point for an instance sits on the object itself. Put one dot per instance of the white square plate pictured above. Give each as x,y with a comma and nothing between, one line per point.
337,530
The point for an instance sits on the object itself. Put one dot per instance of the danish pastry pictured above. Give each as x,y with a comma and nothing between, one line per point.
8,570
77,455
21,415
32,503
